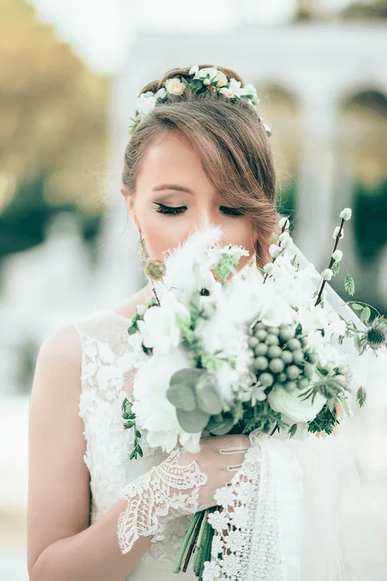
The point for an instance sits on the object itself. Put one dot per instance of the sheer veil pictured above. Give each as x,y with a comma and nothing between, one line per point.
344,507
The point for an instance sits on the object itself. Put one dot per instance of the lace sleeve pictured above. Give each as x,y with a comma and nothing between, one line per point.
167,491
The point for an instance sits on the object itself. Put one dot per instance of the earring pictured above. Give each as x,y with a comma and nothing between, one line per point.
143,252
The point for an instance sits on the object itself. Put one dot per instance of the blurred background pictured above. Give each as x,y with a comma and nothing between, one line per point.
70,71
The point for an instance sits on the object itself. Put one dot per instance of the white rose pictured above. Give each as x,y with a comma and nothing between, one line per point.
174,87
293,406
221,79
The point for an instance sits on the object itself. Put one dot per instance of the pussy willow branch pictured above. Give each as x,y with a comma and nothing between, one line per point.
273,259
332,260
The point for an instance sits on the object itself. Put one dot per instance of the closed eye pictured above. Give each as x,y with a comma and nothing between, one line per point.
231,211
172,210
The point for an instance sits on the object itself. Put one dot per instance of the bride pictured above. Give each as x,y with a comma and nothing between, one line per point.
195,158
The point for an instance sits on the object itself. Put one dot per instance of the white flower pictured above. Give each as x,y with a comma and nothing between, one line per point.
226,92
193,70
220,79
337,255
218,520
293,406
235,87
251,92
230,565
274,250
145,103
327,274
174,86
346,214
336,233
235,541
159,328
240,516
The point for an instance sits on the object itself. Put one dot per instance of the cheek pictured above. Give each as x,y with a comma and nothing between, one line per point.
240,232
163,234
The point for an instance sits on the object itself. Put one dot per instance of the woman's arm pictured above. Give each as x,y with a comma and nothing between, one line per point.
61,545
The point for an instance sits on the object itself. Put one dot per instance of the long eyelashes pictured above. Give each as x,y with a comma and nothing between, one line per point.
162,209
174,210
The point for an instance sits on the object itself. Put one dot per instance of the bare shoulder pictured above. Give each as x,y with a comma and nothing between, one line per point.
59,363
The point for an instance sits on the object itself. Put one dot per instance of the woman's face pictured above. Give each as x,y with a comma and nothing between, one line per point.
174,197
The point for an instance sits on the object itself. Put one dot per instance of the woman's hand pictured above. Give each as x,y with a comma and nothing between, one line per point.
219,458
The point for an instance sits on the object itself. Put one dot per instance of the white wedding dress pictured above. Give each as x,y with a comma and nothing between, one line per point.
296,531
106,380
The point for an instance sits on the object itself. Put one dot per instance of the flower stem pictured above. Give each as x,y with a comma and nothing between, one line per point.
193,541
185,542
198,550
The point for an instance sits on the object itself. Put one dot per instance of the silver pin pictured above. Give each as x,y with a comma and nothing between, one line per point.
233,450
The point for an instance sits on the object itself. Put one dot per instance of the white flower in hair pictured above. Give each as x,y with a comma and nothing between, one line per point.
174,86
220,79
145,103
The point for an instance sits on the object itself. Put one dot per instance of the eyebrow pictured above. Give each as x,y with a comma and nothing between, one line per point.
172,187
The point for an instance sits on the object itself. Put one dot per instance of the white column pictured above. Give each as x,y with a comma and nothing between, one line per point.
316,179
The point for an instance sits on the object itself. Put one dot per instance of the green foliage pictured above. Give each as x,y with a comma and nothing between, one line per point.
349,285
365,315
361,396
292,430
325,420
225,266
129,416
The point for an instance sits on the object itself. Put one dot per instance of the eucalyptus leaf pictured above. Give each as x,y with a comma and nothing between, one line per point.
219,425
207,395
181,396
194,421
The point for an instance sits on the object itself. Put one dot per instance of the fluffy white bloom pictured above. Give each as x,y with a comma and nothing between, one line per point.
337,255
336,233
159,328
274,250
218,520
284,222
268,268
235,87
188,266
284,236
327,274
346,214
293,406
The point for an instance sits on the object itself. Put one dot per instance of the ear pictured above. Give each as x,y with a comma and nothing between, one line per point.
131,207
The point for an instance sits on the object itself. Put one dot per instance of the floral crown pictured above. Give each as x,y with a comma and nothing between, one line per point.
208,78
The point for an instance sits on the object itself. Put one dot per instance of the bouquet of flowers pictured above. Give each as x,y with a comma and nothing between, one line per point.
240,351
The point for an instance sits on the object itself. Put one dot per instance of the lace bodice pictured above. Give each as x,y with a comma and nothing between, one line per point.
107,377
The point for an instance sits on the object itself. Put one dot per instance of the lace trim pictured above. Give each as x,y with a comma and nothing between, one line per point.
234,522
166,492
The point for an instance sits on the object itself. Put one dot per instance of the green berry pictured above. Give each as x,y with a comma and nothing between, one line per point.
273,330
298,356
309,370
274,351
261,363
266,379
287,357
293,372
303,383
276,365
272,340
282,378
294,344
290,386
252,342
261,349
261,334
285,334
311,356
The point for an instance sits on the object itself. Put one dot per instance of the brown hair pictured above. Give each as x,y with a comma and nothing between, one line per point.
233,146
